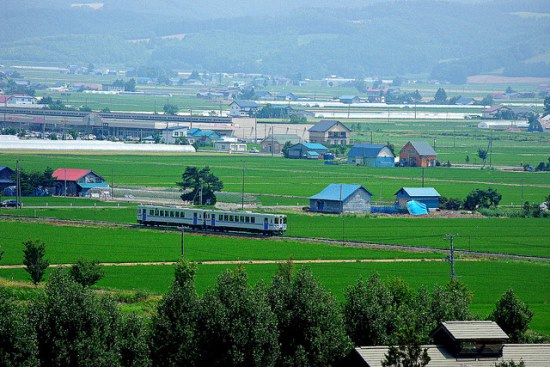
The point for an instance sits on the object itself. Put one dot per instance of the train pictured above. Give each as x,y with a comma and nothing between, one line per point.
216,220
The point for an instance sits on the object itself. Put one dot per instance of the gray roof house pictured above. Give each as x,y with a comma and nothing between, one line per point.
464,344
307,151
372,155
6,175
339,198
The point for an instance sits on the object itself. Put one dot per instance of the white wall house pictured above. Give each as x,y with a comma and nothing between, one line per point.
172,134
227,146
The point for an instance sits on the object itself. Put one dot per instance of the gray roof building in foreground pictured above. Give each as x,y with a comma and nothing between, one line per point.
471,330
533,355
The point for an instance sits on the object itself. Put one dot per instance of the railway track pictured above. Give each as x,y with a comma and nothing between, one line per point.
380,246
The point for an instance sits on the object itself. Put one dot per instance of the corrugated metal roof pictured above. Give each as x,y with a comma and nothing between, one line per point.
323,125
533,355
419,191
315,146
423,148
249,104
70,174
4,167
468,330
312,153
283,138
365,150
337,192
92,185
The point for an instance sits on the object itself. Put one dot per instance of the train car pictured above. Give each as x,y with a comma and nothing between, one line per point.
217,220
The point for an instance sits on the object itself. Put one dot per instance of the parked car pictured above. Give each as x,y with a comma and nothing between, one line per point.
9,204
254,150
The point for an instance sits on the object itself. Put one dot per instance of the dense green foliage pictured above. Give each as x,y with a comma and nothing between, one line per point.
203,185
87,272
34,261
512,315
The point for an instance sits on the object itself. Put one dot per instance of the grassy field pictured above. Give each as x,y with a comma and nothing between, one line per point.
520,236
66,243
488,280
276,176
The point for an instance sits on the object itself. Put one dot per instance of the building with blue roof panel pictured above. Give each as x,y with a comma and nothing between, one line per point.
341,198
305,150
372,155
426,195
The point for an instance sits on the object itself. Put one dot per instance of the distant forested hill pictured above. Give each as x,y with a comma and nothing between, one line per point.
447,39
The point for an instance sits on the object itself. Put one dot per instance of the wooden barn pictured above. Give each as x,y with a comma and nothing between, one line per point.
372,155
426,195
338,198
77,182
417,154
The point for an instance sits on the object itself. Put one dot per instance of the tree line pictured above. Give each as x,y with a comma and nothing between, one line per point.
293,321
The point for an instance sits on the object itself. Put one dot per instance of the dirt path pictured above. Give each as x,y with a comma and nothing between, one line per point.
254,262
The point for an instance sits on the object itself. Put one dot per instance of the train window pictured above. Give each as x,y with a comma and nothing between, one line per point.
247,219
177,214
225,217
284,220
157,212
139,211
242,218
171,213
231,218
220,217
252,219
151,212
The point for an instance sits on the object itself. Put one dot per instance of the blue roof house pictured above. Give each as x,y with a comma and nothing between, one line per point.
372,155
426,195
341,198
306,150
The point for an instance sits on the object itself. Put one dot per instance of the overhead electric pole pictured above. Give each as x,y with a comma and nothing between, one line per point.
451,257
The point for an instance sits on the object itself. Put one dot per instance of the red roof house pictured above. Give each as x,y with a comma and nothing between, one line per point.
76,182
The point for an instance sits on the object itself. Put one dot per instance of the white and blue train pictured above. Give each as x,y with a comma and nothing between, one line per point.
217,220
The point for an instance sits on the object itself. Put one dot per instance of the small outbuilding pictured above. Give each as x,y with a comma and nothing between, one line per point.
6,177
425,195
372,155
417,154
77,182
341,198
274,143
229,146
307,151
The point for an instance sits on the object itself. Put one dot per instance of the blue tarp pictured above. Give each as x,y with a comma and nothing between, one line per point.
416,208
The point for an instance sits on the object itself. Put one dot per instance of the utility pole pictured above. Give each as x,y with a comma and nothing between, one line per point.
451,257
242,194
423,168
183,241
18,185
342,212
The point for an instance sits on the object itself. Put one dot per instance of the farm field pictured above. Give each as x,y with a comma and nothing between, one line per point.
519,236
67,243
486,279
293,178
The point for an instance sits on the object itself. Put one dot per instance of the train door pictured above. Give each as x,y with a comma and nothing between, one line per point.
144,214
213,220
195,218
266,224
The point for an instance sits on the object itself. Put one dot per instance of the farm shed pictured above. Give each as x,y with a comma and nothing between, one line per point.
338,198
372,155
330,132
77,182
6,177
463,344
305,150
274,143
426,195
230,146
417,154
540,125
